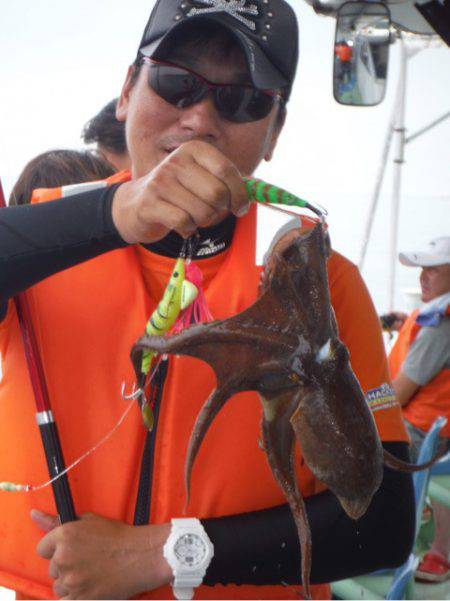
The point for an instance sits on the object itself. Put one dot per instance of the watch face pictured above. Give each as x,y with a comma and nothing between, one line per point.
190,550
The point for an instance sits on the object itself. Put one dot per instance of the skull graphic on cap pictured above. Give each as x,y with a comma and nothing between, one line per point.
235,8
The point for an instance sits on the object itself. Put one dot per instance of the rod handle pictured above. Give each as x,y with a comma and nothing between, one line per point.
55,463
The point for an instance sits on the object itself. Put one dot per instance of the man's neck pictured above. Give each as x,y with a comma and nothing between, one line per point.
210,242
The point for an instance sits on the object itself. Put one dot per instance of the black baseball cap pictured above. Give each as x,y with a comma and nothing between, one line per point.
266,30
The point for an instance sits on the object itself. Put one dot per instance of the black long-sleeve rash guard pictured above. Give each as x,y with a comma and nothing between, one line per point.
262,547
259,547
40,240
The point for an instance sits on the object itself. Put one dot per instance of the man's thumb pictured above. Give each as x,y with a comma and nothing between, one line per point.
45,521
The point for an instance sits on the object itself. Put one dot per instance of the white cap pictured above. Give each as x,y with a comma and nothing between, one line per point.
437,252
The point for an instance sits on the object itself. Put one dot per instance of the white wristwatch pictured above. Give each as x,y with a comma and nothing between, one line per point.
188,551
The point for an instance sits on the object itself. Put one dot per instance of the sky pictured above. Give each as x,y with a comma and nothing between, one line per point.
62,61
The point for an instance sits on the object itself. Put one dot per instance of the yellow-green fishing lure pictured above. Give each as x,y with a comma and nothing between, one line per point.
178,295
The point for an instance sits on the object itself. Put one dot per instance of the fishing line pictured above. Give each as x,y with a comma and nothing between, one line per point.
12,487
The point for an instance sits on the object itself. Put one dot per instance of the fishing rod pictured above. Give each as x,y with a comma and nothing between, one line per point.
44,416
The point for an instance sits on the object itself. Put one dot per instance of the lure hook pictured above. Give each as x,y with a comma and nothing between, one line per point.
318,209
133,396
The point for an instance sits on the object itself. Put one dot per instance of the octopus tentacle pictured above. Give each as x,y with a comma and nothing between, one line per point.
279,443
205,418
207,342
403,466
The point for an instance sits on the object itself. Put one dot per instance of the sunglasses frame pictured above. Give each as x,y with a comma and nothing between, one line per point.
213,86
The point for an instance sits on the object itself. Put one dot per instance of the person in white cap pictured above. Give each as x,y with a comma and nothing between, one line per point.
420,368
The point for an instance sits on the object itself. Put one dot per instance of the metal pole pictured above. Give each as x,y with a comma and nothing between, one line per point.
427,127
399,141
376,193
380,175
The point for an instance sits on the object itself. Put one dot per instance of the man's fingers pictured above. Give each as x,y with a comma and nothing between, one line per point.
46,546
205,185
48,523
45,521
240,203
168,217
221,167
53,570
204,204
60,591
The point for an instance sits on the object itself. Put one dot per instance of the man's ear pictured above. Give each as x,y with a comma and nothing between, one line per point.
124,98
275,131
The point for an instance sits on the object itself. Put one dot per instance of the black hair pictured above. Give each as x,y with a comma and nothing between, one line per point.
106,130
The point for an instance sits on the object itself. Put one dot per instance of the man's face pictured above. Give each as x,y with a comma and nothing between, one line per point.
155,128
434,281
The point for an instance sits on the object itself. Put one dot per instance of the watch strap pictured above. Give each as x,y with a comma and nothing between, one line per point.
190,582
188,523
182,593
184,582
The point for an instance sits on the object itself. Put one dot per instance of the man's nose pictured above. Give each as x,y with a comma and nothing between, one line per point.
201,118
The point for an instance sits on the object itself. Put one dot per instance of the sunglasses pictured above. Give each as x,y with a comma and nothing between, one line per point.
182,88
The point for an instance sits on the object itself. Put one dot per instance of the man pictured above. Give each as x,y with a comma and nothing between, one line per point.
420,368
204,103
108,133
344,56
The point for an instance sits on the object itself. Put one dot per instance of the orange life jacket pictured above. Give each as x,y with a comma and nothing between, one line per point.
344,53
86,319
430,400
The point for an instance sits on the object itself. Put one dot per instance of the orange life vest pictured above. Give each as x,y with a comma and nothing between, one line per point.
344,53
86,319
430,400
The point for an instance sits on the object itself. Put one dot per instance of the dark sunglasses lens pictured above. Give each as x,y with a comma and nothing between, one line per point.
176,86
241,104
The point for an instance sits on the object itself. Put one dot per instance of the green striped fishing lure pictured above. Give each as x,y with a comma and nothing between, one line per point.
264,193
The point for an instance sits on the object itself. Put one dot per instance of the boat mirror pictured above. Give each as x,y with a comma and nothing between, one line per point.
361,52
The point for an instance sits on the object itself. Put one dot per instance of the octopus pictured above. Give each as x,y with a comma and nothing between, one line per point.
290,353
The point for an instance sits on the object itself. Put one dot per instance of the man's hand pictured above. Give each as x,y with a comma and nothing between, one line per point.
195,186
96,558
393,320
